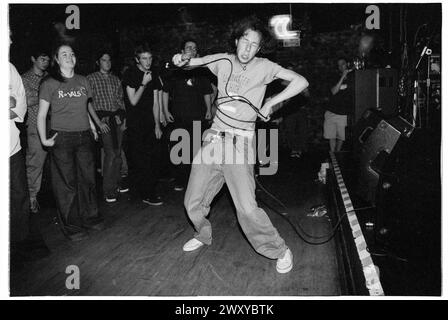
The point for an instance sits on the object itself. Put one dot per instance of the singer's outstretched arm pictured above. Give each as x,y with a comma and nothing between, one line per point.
183,60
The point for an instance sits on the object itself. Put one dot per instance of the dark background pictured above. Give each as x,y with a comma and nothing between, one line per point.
32,23
328,31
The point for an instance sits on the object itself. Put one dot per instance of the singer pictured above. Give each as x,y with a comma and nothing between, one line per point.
245,75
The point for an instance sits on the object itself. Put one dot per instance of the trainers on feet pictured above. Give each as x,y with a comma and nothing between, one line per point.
153,200
111,199
284,264
192,245
123,189
178,187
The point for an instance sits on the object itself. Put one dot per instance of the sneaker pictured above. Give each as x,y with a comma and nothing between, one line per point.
192,245
284,264
123,189
111,199
153,201
178,188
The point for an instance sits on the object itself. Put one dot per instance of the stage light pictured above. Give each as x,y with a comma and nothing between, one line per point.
280,24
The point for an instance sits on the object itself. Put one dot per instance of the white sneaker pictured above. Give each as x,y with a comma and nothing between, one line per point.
284,264
192,245
111,200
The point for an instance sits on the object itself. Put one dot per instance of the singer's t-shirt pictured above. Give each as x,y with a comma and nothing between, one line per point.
142,112
250,83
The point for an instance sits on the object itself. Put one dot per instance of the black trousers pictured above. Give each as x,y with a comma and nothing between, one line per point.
19,205
73,179
144,155
182,171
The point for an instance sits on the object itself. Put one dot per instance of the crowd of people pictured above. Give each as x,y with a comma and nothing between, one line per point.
128,121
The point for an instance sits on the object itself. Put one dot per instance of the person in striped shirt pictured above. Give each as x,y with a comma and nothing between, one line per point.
35,153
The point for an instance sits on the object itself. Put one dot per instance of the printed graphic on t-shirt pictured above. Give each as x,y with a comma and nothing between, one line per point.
236,82
72,92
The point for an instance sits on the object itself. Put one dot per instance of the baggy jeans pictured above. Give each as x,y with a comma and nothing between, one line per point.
112,162
73,179
206,180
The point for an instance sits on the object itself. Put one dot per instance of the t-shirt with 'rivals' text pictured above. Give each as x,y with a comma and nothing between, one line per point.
68,102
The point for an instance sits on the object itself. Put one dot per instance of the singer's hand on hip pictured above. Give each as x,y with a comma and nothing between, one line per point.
266,111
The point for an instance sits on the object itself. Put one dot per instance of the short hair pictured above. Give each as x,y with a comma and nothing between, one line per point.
101,53
342,58
182,45
141,48
251,23
37,52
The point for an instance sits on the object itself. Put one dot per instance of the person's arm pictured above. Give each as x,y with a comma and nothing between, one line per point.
92,127
297,84
337,87
104,128
32,96
17,101
12,105
184,60
135,95
42,124
120,96
161,111
165,101
208,105
156,113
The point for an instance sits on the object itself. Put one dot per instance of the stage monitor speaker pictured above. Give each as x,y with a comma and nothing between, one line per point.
362,129
375,89
408,197
375,150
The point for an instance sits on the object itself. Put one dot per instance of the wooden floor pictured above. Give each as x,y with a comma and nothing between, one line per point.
140,251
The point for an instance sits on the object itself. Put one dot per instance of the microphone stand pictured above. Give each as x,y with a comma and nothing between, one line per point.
415,110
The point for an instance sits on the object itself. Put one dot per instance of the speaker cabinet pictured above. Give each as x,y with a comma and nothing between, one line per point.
376,145
375,89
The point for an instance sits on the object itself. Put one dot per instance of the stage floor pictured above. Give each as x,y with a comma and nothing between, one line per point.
140,251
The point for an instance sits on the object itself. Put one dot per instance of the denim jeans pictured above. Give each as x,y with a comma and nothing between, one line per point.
19,205
206,179
35,160
73,179
112,161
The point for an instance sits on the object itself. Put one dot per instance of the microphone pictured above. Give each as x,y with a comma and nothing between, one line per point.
184,57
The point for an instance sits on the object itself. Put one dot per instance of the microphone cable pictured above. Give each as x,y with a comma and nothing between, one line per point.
299,230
